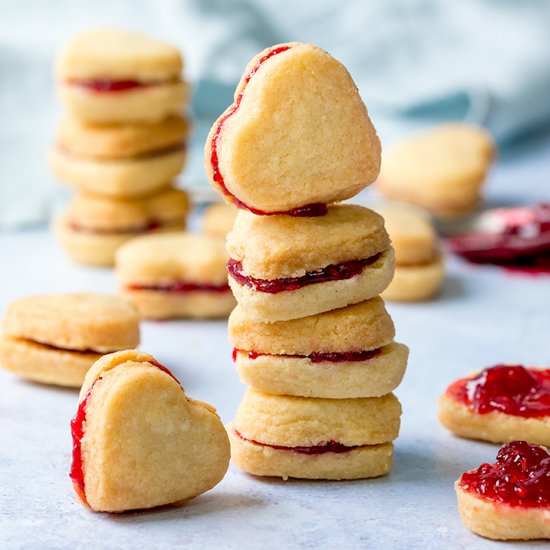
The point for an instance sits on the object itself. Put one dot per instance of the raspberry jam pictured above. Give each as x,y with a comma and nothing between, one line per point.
330,447
510,389
310,210
106,85
77,431
319,356
333,272
136,229
181,287
519,477
515,238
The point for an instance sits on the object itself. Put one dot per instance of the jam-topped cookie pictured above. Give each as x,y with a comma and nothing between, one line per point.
296,137
499,404
56,338
283,267
343,353
311,438
509,499
94,227
139,441
173,275
109,75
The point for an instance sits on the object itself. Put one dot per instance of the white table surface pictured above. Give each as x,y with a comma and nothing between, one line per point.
484,316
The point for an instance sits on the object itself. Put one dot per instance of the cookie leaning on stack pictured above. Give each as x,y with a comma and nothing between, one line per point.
311,337
122,142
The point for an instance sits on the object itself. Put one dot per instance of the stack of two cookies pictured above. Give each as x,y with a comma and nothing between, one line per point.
122,142
311,336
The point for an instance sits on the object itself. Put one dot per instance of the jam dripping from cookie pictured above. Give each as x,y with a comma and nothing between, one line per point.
318,356
107,85
333,272
181,287
329,447
509,389
309,210
519,477
77,432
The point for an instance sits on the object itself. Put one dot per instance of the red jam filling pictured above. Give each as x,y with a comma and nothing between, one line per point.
332,272
182,286
519,477
77,431
519,239
310,210
510,389
330,447
107,85
319,356
150,226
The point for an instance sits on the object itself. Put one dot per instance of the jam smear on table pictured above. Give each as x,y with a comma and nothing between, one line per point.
519,477
107,85
333,272
519,240
181,287
309,210
510,389
77,431
319,356
330,447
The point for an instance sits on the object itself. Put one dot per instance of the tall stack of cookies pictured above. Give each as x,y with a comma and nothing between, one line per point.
122,142
311,336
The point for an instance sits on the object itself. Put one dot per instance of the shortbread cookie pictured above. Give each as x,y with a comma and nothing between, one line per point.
442,169
139,441
342,353
509,499
278,147
283,436
284,267
56,338
499,404
175,275
419,266
218,219
94,227
109,75
119,161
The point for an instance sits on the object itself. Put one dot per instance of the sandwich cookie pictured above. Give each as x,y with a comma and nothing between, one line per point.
499,404
419,267
124,161
278,147
94,227
56,338
510,498
139,441
218,219
441,169
175,275
344,353
311,438
113,76
283,267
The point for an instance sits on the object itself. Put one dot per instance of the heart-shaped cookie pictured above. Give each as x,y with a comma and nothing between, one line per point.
297,134
139,441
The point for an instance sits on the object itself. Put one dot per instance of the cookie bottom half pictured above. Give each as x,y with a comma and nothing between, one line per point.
499,521
496,427
357,463
155,304
316,298
45,364
284,375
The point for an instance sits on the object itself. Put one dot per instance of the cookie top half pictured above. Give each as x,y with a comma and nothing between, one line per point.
113,53
272,247
78,321
298,133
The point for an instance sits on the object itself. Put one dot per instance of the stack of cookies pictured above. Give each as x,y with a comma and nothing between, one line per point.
122,142
311,336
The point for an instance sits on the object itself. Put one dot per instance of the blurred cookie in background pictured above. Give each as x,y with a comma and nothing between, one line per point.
419,265
218,219
441,169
